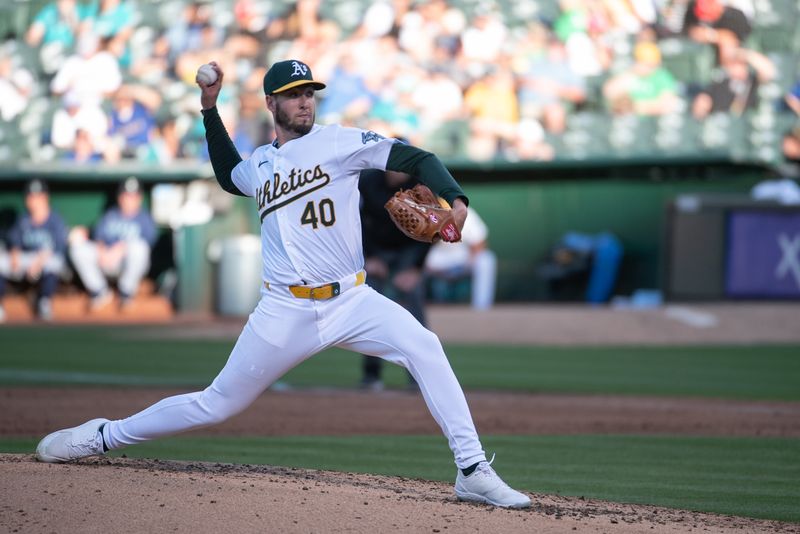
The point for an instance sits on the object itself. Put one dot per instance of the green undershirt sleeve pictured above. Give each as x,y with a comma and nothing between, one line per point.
428,168
223,154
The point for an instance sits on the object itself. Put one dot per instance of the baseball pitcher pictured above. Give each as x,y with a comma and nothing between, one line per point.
314,295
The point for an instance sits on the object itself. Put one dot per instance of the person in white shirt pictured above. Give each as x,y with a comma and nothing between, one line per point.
470,257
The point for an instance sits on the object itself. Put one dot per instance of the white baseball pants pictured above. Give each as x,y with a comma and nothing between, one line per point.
282,332
129,271
484,279
54,264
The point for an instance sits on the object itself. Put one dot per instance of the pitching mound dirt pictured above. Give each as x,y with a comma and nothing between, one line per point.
125,495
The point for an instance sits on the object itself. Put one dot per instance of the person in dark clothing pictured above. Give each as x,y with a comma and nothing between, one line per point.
37,246
734,88
392,260
712,22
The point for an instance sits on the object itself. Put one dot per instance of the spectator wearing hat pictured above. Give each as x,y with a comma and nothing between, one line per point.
712,22
646,88
119,248
37,245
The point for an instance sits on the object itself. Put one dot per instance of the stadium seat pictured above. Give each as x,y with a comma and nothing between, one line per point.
586,136
29,58
5,21
9,141
347,13
35,125
147,13
775,39
449,140
677,135
766,128
678,57
724,135
786,70
631,136
518,14
775,26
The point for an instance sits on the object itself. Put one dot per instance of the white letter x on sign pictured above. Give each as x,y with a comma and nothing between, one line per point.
790,261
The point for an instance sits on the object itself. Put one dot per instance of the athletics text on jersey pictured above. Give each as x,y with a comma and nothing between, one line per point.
306,193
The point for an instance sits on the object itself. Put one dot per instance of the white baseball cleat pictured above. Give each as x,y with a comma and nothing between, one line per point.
485,486
72,443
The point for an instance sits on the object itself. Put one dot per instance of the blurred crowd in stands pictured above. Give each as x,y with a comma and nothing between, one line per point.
111,80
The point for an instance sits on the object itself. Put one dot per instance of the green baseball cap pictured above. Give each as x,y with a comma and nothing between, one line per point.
284,75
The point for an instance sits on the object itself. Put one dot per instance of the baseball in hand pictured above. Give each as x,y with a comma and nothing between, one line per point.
206,74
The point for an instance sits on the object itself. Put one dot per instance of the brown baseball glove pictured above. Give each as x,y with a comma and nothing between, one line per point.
418,214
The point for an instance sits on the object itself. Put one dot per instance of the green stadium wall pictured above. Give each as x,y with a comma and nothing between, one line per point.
526,219
527,209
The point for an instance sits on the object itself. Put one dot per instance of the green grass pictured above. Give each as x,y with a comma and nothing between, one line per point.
755,477
127,356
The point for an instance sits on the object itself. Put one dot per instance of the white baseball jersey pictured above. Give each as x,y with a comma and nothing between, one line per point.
307,196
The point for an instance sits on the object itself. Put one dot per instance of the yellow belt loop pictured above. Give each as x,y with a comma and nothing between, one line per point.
360,277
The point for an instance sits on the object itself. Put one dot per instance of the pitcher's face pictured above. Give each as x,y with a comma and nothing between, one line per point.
294,110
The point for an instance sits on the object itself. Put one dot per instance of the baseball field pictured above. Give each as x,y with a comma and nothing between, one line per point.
673,419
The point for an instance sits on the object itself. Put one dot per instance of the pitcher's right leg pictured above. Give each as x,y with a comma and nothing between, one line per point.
391,332
394,335
253,365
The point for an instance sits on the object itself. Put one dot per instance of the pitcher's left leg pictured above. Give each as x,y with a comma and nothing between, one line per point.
392,333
